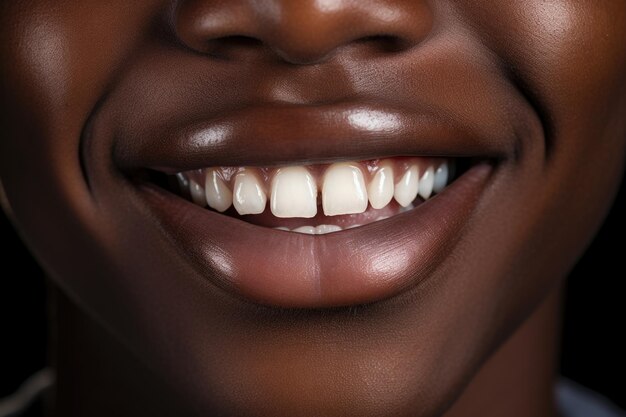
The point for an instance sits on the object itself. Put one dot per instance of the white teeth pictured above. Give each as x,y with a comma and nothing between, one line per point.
406,189
426,183
344,190
249,197
218,195
293,190
380,189
441,177
312,230
294,193
326,228
197,193
307,230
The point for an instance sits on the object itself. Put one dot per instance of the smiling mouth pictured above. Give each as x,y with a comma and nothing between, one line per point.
359,220
318,199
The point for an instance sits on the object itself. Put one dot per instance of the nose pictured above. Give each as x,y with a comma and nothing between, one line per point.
302,31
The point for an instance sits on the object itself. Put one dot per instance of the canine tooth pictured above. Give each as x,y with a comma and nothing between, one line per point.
344,190
441,177
327,228
249,197
284,229
218,195
380,189
307,230
426,183
294,193
406,190
197,193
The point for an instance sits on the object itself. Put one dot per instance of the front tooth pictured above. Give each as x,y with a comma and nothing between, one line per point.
327,228
441,177
249,197
294,193
197,193
380,189
218,195
307,230
344,190
426,183
406,189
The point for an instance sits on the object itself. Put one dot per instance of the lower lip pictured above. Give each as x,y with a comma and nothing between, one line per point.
355,266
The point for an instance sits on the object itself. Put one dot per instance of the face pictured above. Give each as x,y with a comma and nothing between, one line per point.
304,111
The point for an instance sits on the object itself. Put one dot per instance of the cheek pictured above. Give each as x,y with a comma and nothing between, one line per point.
566,49
57,60
573,52
64,54
568,60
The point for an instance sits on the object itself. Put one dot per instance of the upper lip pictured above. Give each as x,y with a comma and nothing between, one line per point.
279,134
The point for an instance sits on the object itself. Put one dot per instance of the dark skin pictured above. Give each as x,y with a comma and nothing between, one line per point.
88,87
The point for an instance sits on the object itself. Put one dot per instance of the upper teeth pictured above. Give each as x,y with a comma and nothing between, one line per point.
408,186
249,196
294,193
218,195
381,187
346,187
344,190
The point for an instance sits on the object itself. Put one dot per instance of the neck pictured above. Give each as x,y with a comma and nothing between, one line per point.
97,376
518,380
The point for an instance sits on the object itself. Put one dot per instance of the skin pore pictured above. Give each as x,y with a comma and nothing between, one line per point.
152,319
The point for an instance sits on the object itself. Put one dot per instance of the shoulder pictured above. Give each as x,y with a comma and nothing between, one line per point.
574,400
28,400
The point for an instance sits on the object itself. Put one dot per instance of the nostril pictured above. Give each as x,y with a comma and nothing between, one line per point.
232,46
210,26
384,43
239,41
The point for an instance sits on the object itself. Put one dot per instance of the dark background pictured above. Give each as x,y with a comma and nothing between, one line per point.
594,342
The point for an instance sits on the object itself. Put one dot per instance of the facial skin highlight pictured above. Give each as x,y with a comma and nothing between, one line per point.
97,96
